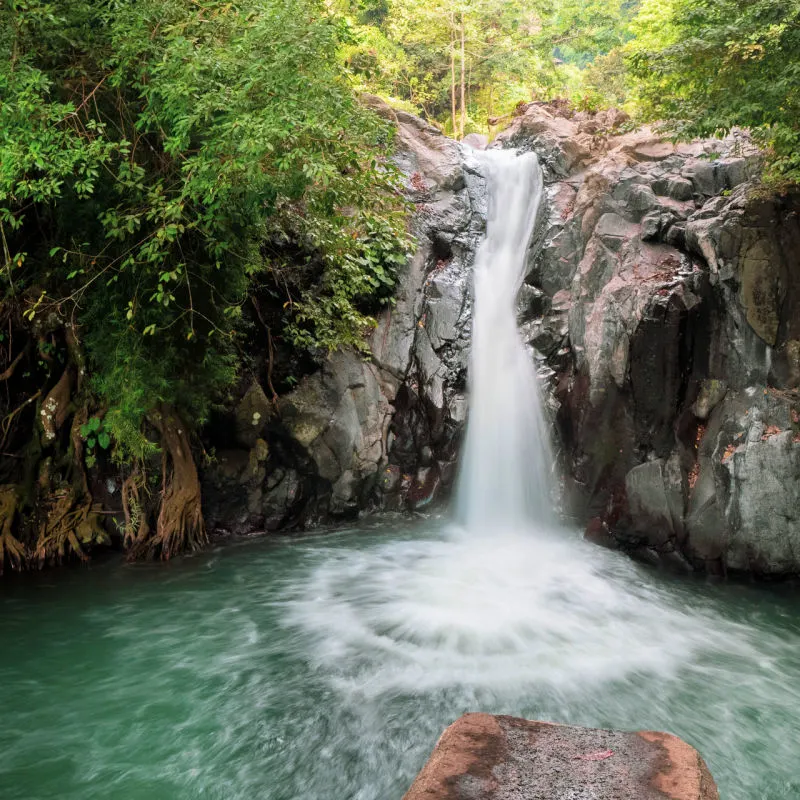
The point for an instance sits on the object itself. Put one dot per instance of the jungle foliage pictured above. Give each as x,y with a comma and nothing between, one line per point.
701,67
159,161
707,66
468,63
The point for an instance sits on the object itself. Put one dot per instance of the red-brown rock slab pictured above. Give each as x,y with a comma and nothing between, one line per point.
486,757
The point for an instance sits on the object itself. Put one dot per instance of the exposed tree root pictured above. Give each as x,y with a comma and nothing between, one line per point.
48,513
180,525
11,549
70,521
68,524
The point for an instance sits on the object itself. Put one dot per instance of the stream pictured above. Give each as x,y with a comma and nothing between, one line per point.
325,667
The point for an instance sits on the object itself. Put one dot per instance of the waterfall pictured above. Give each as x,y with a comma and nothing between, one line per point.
506,462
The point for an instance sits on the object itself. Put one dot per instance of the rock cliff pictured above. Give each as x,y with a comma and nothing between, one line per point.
379,431
662,301
672,327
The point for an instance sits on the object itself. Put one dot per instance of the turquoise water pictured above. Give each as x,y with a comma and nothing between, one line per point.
325,668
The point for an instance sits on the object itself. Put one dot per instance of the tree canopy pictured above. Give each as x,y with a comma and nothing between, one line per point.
159,161
467,62
707,66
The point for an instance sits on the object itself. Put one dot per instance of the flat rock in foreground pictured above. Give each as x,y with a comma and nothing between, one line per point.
485,757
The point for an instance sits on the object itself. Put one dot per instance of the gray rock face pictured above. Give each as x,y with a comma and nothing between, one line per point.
743,513
341,416
251,415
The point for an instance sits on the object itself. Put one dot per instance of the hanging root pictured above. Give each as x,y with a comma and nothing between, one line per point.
180,525
10,548
136,529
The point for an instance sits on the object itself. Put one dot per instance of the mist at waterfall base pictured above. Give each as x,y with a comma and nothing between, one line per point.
325,667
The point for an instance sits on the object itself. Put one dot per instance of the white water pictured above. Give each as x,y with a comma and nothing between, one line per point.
505,611
505,598
506,462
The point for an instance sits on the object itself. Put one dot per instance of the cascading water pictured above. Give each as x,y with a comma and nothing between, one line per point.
326,668
505,469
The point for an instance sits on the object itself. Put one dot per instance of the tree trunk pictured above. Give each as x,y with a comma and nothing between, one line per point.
453,72
180,524
463,81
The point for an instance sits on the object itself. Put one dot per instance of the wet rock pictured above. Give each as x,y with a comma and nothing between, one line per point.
390,478
743,508
555,265
340,416
655,501
680,287
678,188
706,177
712,392
506,758
242,495
640,200
251,415
422,149
558,142
424,488
280,500
532,303
763,511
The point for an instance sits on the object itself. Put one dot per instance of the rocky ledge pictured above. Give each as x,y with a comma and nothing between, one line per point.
485,757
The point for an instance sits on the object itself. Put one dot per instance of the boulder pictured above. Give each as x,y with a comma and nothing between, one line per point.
655,501
340,416
743,509
485,757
